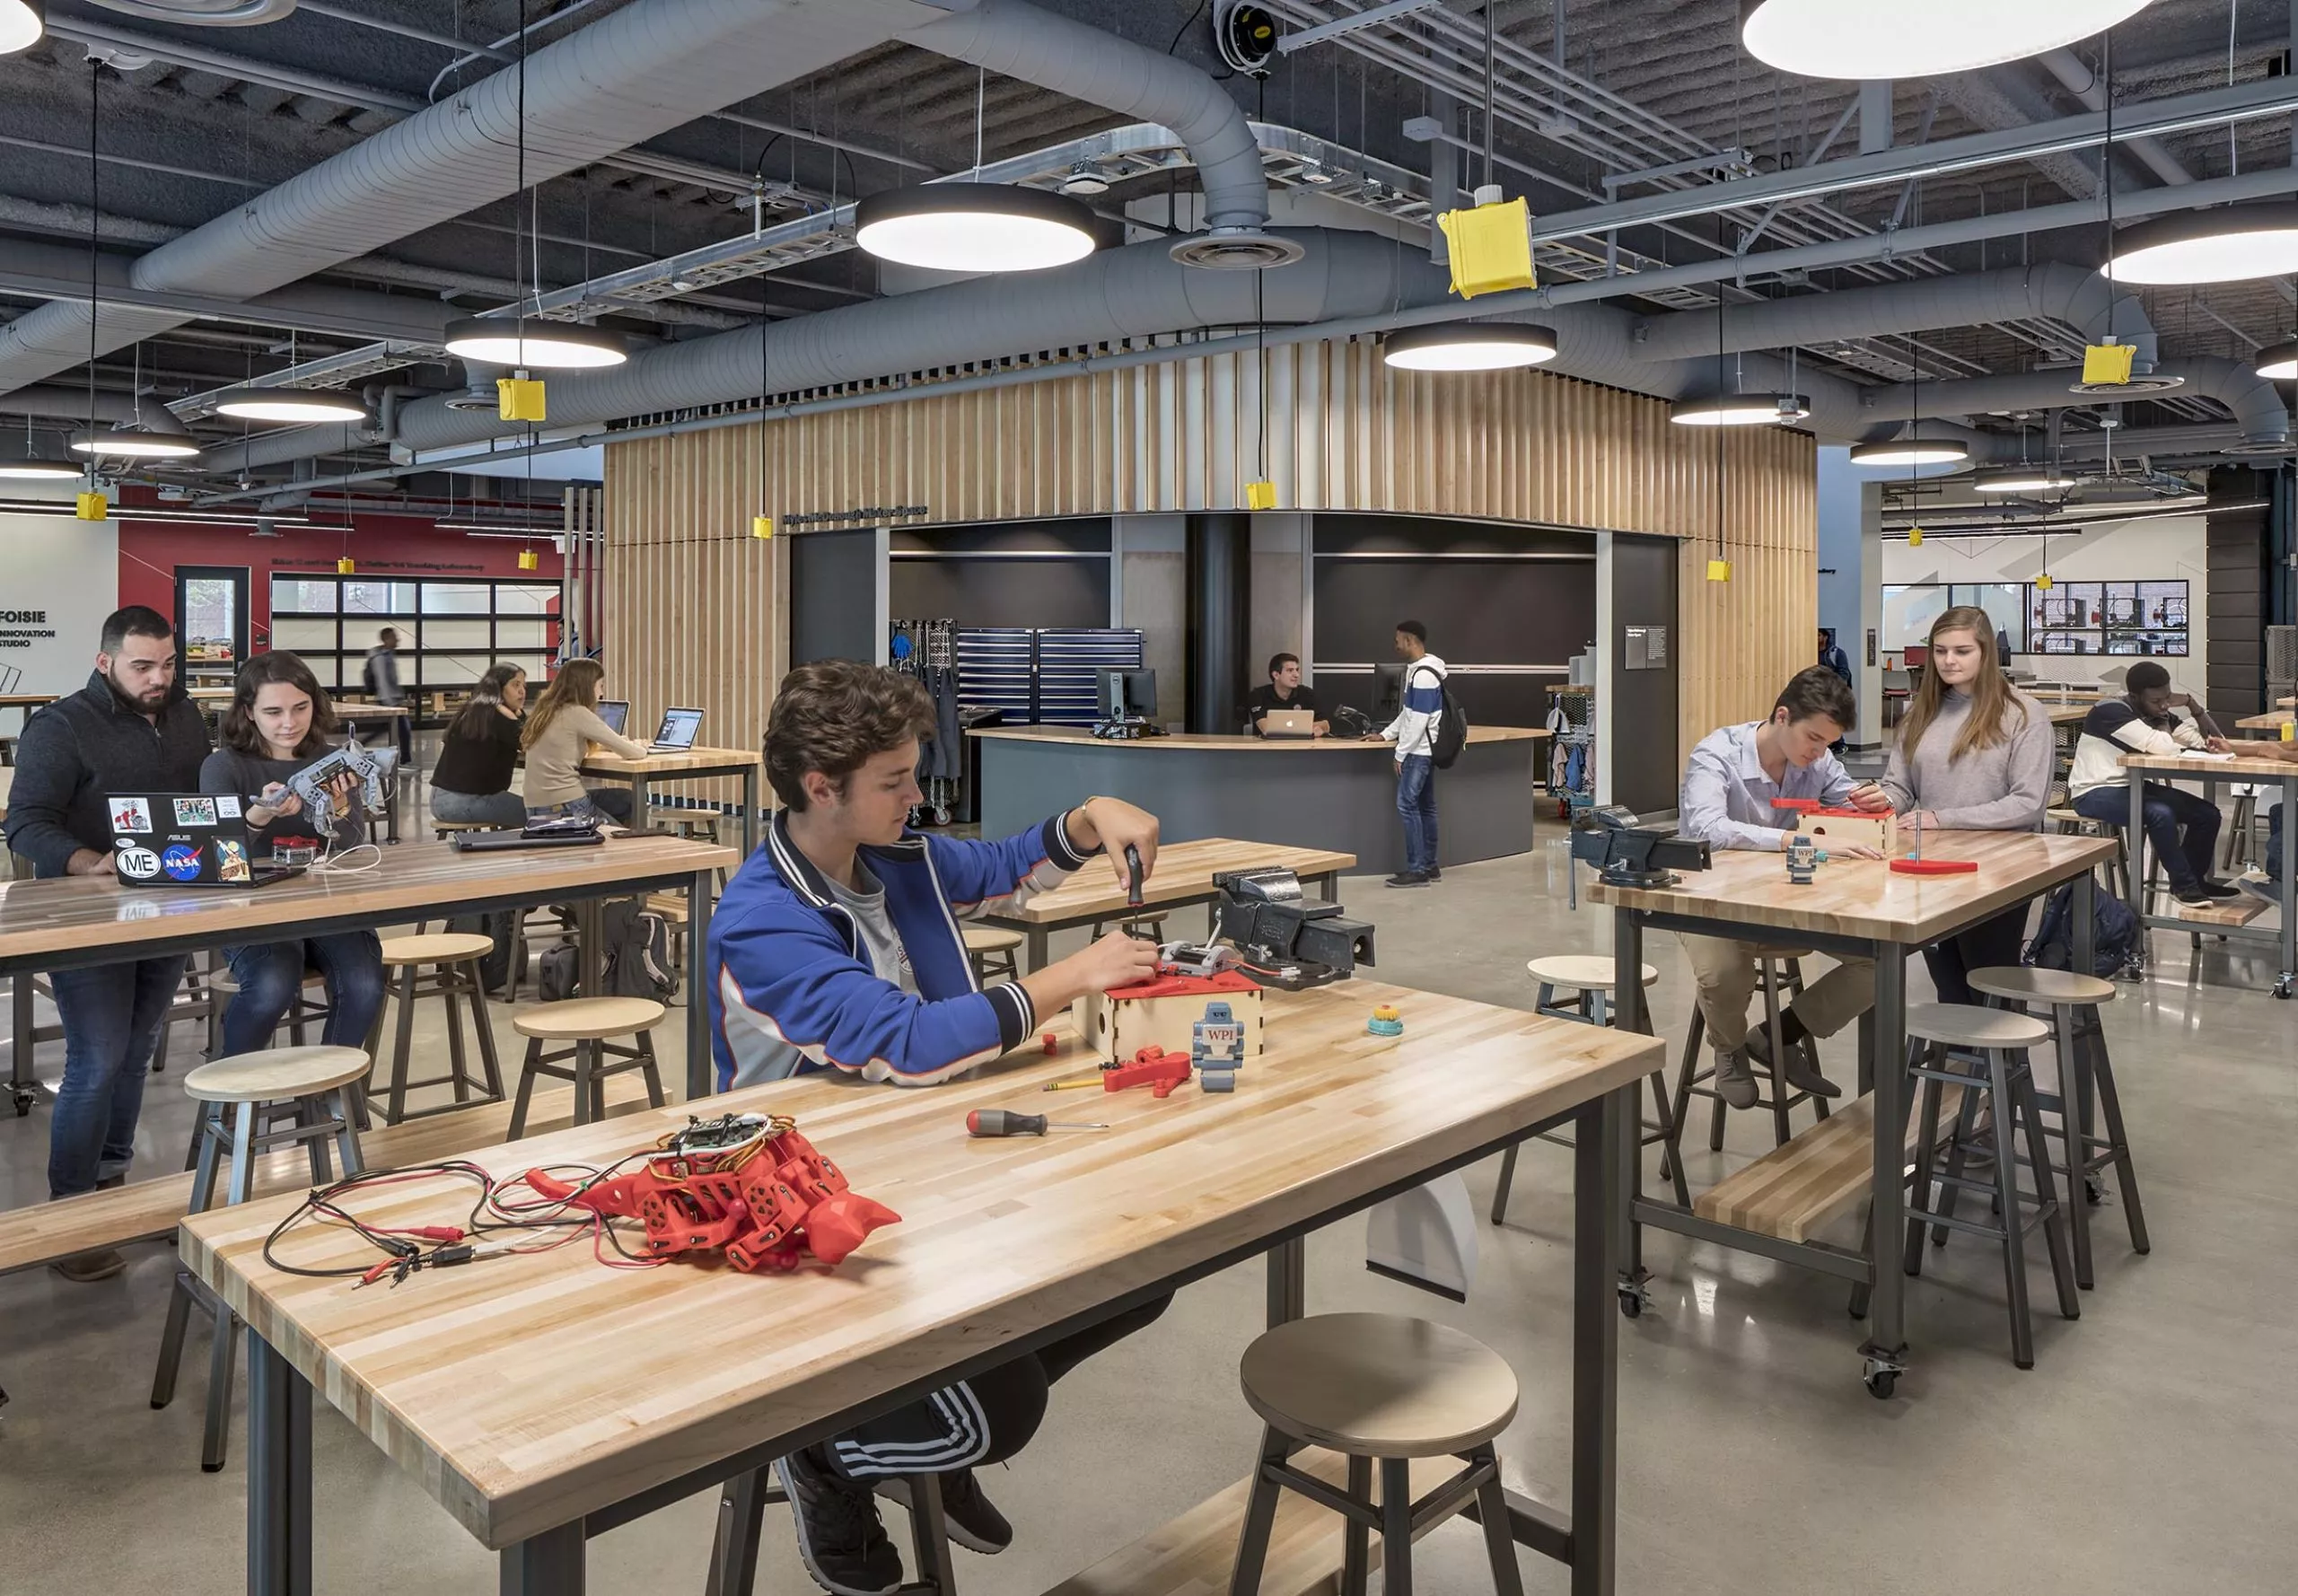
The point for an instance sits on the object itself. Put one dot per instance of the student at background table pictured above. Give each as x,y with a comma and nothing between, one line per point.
557,738
278,723
472,780
2181,827
1729,785
835,948
1974,754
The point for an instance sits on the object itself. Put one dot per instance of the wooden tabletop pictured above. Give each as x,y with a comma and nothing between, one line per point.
52,917
1184,872
2265,723
26,700
2245,767
1238,739
359,709
1863,898
2068,714
599,762
524,1391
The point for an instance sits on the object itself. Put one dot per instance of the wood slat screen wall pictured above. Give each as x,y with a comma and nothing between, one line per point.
692,602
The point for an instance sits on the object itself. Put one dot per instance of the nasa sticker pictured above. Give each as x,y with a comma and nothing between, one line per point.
131,816
181,862
138,864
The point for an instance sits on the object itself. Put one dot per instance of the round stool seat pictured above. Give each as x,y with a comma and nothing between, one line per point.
989,939
1378,1385
2040,986
1581,972
275,1074
587,1019
440,947
1967,1025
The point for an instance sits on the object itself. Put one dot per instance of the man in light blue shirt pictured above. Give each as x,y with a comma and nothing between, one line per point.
1729,785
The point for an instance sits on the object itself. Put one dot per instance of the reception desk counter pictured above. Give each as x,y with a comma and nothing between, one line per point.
1325,793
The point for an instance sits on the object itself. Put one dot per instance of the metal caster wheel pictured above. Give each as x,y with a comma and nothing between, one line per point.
2092,1191
1633,1295
2282,988
1882,1378
23,1103
941,814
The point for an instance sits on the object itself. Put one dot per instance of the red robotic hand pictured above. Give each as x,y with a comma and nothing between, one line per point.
742,1184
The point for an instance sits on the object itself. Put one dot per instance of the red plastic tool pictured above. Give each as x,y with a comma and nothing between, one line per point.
1153,1067
1935,866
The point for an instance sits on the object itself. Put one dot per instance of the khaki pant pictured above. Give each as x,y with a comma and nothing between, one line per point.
1726,973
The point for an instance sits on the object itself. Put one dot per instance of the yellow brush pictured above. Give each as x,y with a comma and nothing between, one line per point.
1071,1085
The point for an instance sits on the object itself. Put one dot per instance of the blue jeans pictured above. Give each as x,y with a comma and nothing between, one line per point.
1417,802
270,974
597,804
2186,860
2274,846
113,1016
506,811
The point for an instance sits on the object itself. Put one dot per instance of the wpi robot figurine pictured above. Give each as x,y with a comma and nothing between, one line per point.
741,1183
1216,1047
1802,859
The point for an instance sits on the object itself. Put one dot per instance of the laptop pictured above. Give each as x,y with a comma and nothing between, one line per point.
616,713
677,731
1289,722
186,839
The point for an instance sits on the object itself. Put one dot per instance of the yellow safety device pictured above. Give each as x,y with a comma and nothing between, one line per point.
1915,537
529,560
1719,570
1260,496
2286,730
2042,582
761,526
90,506
519,398
1490,246
346,566
2108,363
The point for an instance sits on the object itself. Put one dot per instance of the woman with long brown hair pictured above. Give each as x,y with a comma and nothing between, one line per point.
559,731
472,779
1974,754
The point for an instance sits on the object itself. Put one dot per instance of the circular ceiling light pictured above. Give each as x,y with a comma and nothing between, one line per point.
2024,479
1740,409
21,465
1912,451
1862,39
2231,244
1085,180
22,23
292,404
2278,362
128,442
1469,347
533,346
974,227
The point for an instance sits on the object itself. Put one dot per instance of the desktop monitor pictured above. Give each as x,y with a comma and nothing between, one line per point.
1128,694
1388,691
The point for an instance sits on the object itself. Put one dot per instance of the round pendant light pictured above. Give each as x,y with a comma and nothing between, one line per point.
2231,244
21,465
1860,40
1740,409
292,404
2278,362
1469,347
2024,479
1912,451
22,23
128,442
533,346
974,227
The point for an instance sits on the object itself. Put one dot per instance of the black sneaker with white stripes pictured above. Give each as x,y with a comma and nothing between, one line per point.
841,1538
975,1523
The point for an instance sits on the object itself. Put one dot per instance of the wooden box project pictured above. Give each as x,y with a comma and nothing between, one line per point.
1845,827
1160,1013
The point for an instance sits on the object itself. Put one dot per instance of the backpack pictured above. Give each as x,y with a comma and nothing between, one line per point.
2114,934
637,963
367,678
1452,732
500,927
558,973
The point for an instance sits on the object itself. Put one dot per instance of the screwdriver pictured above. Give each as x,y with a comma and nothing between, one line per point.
1002,1122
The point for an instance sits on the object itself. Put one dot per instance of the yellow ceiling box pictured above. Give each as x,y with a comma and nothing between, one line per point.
346,566
2108,363
519,398
2042,582
1719,570
90,506
1260,496
529,560
1491,246
761,526
1915,537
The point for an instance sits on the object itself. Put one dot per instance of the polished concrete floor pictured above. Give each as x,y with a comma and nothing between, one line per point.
2152,1448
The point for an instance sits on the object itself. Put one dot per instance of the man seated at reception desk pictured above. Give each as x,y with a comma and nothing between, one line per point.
1284,692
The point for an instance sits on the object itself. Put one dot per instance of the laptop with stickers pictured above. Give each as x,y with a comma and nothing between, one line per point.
186,839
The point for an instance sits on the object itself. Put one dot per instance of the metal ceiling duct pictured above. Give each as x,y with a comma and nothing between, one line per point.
2261,415
649,68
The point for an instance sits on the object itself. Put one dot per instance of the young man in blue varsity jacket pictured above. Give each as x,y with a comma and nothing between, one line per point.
835,948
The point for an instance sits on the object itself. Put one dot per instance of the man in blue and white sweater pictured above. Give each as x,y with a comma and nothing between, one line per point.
1420,709
837,948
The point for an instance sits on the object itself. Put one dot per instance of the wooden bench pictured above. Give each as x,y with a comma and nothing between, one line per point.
147,1210
1193,1553
1816,1176
2225,911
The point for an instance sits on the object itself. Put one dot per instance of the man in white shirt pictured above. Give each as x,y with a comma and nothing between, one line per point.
1414,732
1729,785
2181,827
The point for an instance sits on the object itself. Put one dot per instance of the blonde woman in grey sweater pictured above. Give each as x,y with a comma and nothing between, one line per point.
1974,754
558,737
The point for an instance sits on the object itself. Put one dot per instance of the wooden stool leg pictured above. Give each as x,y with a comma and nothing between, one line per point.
650,1069
1260,1518
1395,1527
402,1054
2102,1080
526,1089
1499,1546
1356,1535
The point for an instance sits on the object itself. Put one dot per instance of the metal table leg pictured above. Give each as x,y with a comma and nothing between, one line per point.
1631,1011
1599,1194
279,1474
1288,1282
2288,897
1886,1346
641,818
550,1563
749,811
2135,865
700,1072
1040,938
23,1080
741,1514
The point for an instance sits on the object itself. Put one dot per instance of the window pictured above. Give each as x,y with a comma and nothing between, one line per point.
450,630
363,595
302,595
2115,618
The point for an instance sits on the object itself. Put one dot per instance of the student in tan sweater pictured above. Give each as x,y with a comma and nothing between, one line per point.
558,734
1974,755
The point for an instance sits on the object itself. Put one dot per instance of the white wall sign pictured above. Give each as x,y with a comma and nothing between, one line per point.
59,578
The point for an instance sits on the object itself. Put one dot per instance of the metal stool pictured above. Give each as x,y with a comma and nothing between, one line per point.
587,1022
2001,1038
310,1086
993,951
452,959
1780,979
2083,1067
1377,1387
1589,978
